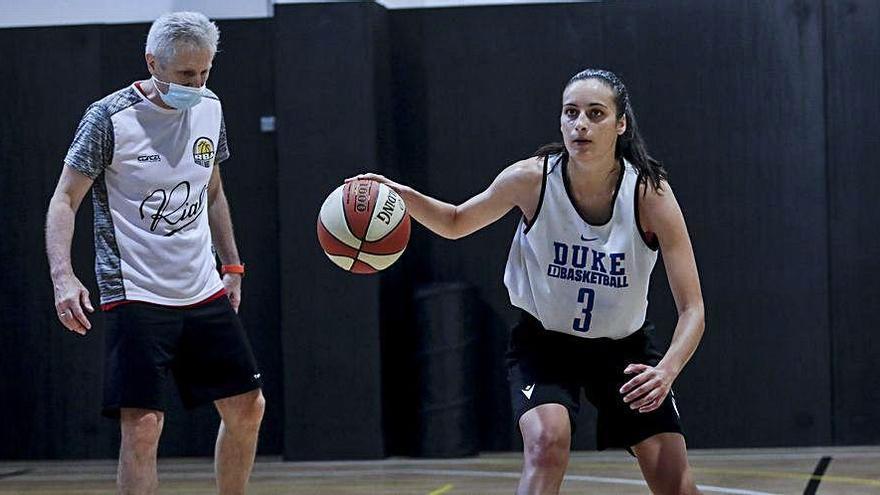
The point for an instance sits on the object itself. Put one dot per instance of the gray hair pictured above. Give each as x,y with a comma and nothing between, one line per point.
173,31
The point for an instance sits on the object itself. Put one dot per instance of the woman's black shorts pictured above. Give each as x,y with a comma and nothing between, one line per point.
546,367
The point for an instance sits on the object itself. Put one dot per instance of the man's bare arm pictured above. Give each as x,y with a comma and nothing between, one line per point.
71,296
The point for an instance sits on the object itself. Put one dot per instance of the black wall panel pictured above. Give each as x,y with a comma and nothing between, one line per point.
401,130
50,385
852,69
327,131
734,105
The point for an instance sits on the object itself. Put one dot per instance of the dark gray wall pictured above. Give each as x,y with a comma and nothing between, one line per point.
764,113
49,376
851,70
326,101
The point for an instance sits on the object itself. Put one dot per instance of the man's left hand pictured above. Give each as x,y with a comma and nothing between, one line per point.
232,283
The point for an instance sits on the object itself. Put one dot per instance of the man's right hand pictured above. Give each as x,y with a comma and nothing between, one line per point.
71,297
71,303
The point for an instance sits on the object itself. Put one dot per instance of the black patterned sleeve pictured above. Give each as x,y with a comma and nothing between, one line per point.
222,145
92,148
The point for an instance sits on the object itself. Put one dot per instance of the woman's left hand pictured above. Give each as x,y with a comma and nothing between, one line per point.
648,389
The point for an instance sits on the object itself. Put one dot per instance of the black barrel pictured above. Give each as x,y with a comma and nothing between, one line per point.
448,337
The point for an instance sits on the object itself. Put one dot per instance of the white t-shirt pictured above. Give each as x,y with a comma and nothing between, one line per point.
151,168
577,278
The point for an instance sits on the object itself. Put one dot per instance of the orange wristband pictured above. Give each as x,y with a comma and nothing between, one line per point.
236,269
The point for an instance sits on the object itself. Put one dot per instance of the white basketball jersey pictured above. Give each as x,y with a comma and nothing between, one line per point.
585,280
151,167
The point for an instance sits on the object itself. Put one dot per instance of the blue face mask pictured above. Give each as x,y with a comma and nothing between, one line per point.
179,96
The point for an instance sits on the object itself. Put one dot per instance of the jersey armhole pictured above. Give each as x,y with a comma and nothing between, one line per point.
649,240
534,219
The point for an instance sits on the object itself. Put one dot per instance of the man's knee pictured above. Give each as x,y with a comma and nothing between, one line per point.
141,429
257,408
243,412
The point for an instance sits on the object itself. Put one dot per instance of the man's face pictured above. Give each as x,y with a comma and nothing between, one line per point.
189,67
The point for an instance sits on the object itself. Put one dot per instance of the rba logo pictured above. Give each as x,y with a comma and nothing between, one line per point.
203,151
149,158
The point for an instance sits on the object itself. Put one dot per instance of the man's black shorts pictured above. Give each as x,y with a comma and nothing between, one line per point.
204,347
546,367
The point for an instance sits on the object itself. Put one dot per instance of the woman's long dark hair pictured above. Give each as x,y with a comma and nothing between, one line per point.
630,144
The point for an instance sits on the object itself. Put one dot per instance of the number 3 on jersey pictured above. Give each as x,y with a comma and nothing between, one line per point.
586,297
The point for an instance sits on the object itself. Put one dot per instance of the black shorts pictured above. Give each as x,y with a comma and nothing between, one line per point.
546,367
204,347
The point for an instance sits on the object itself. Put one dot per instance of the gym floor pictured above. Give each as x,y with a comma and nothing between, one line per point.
838,470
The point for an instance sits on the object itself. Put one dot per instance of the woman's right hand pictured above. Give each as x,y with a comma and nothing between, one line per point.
398,188
517,185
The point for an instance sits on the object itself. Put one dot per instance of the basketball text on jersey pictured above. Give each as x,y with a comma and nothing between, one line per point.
579,263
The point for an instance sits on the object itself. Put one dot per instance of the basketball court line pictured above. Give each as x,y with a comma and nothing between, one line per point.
443,489
788,475
15,473
590,479
182,464
821,467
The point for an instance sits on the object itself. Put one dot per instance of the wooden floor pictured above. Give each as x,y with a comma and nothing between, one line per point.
852,471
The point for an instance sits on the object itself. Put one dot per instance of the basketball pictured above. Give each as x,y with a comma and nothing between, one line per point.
363,226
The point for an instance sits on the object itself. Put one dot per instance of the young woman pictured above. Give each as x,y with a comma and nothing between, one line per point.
596,209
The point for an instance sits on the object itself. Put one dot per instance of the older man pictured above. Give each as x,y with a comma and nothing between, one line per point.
150,154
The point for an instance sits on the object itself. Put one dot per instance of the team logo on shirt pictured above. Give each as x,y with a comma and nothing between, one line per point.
203,152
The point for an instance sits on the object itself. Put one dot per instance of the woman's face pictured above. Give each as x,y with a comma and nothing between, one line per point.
588,122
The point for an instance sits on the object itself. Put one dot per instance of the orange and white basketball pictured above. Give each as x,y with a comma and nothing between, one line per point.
363,226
